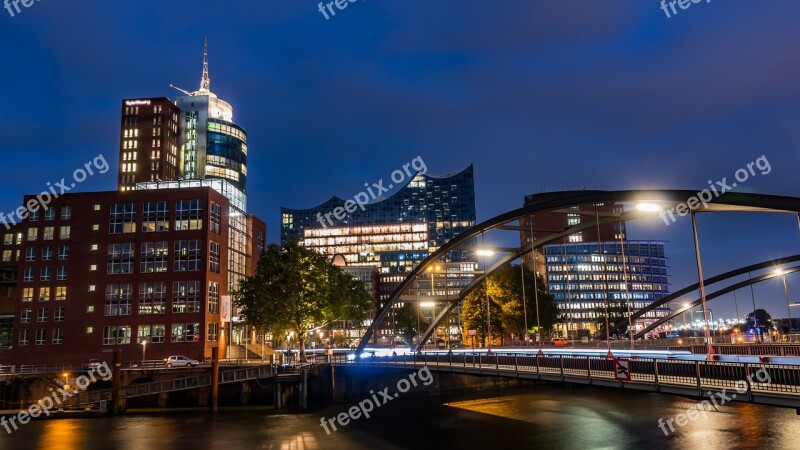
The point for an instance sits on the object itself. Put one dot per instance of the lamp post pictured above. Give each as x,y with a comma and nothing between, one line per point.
711,314
535,289
484,253
144,347
782,274
701,281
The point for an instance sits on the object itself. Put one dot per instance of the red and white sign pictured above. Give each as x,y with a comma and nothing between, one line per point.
472,332
622,369
225,309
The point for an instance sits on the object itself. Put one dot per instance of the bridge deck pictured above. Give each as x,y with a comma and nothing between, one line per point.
771,384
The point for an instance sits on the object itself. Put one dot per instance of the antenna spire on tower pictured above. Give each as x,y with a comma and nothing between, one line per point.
205,81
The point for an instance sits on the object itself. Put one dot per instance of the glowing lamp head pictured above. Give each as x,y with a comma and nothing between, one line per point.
648,207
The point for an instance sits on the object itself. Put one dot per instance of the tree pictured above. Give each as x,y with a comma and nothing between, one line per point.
473,312
296,289
510,280
507,311
616,312
759,320
409,322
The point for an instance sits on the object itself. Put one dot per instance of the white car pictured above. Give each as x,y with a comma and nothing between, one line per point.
181,361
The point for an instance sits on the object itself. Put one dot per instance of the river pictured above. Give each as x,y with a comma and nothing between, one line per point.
541,417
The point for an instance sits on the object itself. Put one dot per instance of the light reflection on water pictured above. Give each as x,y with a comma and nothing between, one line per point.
539,417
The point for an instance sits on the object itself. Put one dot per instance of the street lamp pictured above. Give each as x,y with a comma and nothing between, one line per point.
144,346
66,380
780,272
484,253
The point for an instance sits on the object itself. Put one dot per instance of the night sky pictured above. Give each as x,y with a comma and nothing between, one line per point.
539,95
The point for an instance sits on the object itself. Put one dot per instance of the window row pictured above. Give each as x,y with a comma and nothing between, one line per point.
50,214
47,253
186,297
155,333
29,293
26,314
41,336
156,216
32,234
45,273
188,257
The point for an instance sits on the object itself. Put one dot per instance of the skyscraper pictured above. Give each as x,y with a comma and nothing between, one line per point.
148,148
212,145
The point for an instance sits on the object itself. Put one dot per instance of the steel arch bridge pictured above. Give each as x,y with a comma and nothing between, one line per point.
450,287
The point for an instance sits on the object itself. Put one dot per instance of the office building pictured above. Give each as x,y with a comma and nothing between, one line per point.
392,235
149,144
585,277
141,271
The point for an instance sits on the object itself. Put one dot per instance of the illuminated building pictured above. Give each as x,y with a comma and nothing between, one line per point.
212,145
392,235
148,149
581,278
113,270
154,261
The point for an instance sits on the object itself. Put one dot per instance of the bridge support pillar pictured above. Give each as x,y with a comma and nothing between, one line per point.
244,396
163,397
203,395
277,390
214,379
116,382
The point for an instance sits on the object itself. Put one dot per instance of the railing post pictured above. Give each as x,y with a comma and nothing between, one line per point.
655,373
561,361
516,363
589,368
697,373
747,380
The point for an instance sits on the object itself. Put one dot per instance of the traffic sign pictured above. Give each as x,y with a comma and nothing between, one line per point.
472,332
622,369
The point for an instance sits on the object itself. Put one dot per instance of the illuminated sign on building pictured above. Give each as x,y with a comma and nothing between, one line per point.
136,102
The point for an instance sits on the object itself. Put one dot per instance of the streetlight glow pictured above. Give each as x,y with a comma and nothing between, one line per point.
484,252
648,207
427,304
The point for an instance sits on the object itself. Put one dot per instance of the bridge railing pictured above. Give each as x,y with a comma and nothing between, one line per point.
700,375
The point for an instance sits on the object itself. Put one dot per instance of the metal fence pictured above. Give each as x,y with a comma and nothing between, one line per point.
773,378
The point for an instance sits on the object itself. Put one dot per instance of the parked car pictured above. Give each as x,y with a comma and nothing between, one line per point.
181,361
92,364
559,342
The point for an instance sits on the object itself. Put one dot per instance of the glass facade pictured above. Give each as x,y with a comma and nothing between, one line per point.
393,234
226,153
581,278
237,221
